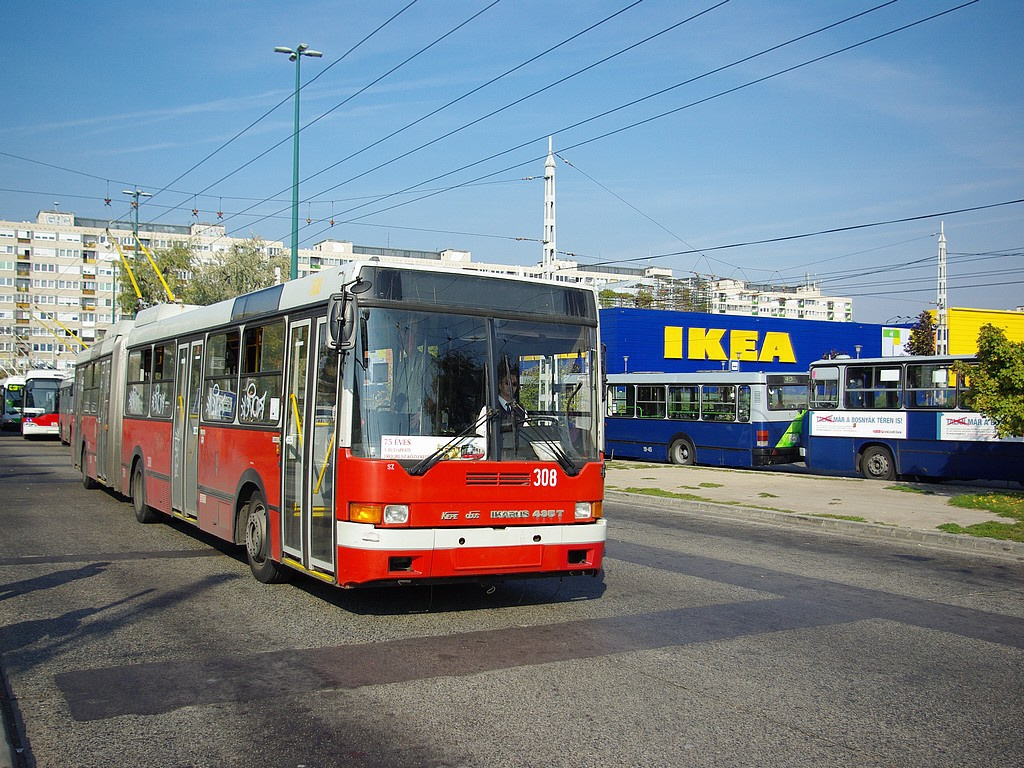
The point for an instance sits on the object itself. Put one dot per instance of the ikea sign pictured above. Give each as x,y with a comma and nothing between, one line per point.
696,343
670,341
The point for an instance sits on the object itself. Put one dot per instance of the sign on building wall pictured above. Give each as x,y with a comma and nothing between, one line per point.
894,341
651,340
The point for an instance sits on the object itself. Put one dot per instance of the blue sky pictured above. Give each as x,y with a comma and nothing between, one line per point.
189,102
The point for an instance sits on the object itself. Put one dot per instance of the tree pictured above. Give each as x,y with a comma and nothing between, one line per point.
997,381
245,267
174,263
922,335
643,300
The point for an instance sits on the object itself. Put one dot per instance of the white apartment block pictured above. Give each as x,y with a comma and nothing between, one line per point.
58,277
802,302
58,280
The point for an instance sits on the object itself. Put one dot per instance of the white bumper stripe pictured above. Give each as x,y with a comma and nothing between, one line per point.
364,536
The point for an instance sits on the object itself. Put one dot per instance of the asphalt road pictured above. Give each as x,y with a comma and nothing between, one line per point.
706,643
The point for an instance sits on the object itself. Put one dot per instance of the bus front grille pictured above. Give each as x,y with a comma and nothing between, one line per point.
497,478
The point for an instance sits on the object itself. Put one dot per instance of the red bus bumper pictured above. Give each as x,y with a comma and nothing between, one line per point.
367,554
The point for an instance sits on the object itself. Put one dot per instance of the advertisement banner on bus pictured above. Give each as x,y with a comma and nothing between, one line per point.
471,448
891,424
968,426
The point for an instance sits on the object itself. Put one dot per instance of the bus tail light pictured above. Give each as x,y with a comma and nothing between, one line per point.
762,438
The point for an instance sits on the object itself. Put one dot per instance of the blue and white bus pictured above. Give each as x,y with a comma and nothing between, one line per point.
904,416
718,418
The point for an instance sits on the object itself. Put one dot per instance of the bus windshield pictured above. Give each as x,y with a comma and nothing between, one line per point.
477,387
13,394
41,396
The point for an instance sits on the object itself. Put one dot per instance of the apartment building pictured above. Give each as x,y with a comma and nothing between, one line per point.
801,302
59,281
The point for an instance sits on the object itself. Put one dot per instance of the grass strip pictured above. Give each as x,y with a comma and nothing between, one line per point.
1008,505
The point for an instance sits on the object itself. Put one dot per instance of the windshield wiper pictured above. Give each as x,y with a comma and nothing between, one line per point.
555,447
423,465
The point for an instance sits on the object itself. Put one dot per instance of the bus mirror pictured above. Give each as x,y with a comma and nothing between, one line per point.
341,310
340,321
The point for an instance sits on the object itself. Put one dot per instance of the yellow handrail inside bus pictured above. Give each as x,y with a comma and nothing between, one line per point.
298,419
323,469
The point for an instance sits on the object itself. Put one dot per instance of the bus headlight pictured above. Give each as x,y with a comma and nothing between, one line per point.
587,509
396,514
375,514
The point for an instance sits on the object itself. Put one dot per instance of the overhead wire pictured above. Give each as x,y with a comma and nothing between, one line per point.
497,111
283,101
362,90
655,117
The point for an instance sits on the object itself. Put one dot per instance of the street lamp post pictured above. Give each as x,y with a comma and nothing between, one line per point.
135,194
296,56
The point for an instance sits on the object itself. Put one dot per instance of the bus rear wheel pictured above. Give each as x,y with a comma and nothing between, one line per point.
87,482
143,512
681,452
257,542
876,463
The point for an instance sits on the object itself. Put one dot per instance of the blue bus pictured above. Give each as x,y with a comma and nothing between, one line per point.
904,416
717,418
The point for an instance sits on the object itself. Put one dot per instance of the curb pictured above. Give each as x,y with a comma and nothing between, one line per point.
937,539
11,753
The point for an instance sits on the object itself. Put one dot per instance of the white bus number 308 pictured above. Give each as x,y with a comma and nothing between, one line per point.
547,478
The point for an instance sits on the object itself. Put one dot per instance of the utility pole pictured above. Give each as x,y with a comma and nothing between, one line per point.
942,324
549,254
135,194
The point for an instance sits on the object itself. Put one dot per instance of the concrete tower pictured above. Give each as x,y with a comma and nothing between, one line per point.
549,254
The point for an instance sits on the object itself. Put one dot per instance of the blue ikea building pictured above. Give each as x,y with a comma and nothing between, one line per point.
656,340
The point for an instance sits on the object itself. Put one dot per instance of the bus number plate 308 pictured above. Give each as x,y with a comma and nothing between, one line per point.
545,477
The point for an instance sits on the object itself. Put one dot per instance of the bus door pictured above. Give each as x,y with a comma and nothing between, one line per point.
307,498
103,422
185,428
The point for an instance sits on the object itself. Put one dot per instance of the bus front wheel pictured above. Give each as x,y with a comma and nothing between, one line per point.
876,463
681,452
257,541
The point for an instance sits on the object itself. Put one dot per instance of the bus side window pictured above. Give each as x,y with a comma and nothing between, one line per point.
743,403
619,402
650,400
162,398
930,386
718,403
684,402
137,389
824,387
220,386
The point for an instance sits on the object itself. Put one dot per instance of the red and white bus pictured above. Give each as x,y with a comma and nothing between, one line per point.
39,404
348,424
66,409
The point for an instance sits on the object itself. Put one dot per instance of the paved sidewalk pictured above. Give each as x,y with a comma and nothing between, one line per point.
897,510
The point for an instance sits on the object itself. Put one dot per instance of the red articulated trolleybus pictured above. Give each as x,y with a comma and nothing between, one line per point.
367,425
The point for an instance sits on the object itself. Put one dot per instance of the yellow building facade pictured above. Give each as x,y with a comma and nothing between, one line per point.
964,324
